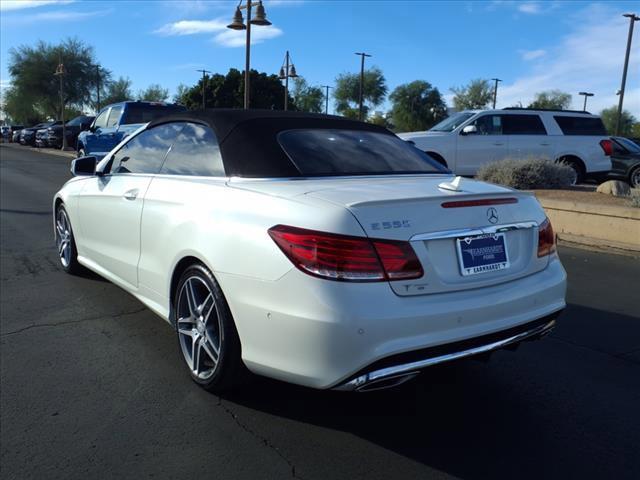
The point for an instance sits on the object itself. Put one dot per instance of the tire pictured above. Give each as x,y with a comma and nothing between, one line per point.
634,177
65,243
205,326
577,168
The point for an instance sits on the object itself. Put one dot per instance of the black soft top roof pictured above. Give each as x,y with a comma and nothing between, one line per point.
248,138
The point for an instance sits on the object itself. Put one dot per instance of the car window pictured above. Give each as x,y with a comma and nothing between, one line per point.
101,121
523,125
145,152
580,125
114,116
145,112
449,124
195,151
322,152
488,124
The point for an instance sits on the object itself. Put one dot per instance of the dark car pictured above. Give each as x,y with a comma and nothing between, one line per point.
15,133
28,135
625,161
72,130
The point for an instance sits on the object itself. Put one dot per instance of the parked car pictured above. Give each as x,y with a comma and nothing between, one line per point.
42,136
28,135
5,133
15,133
309,248
625,161
72,130
468,140
117,121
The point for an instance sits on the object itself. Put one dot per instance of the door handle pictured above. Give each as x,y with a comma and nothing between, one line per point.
545,144
131,194
498,143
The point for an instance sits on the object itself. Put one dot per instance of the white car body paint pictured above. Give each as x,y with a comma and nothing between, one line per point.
299,328
465,154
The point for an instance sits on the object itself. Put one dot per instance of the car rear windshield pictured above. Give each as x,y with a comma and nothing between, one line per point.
321,152
145,112
580,125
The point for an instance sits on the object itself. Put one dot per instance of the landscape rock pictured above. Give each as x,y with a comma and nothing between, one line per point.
615,188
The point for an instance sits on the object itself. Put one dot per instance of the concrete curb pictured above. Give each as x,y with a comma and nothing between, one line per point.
48,151
602,227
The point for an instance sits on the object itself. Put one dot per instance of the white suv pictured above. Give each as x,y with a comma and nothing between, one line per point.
467,140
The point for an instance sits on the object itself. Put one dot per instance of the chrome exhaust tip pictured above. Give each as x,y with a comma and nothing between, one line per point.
388,382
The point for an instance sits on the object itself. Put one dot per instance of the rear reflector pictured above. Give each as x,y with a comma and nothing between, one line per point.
479,203
346,258
607,146
546,239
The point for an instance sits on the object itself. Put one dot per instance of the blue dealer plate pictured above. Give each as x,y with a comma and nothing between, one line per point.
482,254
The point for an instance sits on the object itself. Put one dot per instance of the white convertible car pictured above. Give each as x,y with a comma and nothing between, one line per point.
309,248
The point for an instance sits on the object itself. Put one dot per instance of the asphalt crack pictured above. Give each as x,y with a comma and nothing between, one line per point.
71,322
264,440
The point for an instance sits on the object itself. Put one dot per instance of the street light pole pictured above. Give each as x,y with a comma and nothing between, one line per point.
586,95
204,73
287,71
326,100
633,18
238,24
360,108
60,73
495,91
98,87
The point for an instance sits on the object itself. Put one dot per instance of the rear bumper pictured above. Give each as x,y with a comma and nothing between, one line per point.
394,370
324,334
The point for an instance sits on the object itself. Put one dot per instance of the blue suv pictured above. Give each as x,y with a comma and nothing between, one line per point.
117,121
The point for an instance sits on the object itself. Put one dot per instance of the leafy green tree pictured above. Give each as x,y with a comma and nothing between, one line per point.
117,91
153,93
307,98
21,107
552,99
476,95
32,67
379,118
347,92
627,121
416,106
227,91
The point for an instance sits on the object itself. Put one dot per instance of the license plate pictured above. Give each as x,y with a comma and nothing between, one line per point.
482,254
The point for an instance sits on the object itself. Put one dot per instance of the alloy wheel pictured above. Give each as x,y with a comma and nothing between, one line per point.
198,327
63,238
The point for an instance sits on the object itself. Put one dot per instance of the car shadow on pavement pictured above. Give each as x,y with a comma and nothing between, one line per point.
543,411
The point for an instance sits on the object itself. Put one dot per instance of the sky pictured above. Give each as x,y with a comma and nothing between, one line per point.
531,45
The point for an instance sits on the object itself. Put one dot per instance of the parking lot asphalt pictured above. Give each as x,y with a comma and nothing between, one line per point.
92,385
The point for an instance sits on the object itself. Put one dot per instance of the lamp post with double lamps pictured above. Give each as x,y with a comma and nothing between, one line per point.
239,24
60,73
287,71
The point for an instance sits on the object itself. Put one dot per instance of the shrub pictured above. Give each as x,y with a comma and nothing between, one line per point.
527,174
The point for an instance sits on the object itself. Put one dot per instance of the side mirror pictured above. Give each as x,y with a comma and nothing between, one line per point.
469,130
84,166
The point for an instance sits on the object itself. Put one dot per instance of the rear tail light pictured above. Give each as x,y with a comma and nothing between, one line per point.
546,239
347,258
607,146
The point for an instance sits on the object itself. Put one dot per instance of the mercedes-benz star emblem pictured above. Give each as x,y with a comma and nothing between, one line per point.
492,215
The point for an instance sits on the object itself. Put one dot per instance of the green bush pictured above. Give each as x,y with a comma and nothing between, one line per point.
527,174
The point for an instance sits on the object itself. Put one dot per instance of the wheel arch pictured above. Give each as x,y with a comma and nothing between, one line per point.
181,265
570,157
437,157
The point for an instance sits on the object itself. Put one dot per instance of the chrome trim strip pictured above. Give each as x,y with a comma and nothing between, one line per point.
362,380
467,232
